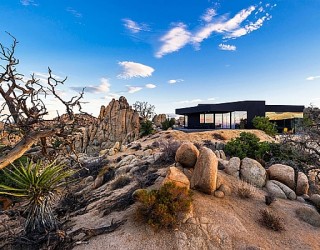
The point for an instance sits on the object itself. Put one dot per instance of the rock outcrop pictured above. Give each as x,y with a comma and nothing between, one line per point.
252,171
117,122
205,172
187,155
159,119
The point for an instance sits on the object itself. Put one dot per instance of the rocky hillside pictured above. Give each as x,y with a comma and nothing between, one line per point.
99,211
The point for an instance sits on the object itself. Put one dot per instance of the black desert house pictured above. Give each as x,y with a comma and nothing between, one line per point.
233,115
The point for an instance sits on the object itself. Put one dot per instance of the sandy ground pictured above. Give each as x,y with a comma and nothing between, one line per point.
228,223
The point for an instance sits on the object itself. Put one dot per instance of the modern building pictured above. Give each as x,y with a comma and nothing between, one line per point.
233,115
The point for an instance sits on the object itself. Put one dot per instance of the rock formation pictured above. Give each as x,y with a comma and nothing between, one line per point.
117,122
159,119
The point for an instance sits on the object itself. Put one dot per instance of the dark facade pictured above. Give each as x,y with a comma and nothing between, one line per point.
230,115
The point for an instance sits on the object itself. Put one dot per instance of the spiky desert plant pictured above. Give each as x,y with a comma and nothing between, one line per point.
38,183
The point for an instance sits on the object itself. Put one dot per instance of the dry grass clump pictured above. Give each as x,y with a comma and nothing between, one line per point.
120,182
309,215
245,190
162,208
271,220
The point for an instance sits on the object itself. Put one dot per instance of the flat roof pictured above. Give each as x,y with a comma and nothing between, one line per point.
238,106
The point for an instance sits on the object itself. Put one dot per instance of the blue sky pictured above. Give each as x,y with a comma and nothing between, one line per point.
171,53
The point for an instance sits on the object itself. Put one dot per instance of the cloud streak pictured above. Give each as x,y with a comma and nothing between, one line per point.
174,81
28,2
133,69
134,27
133,89
312,78
74,12
103,87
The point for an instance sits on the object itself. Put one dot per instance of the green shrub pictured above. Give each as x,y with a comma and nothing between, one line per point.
162,208
271,220
146,128
38,184
263,123
168,123
244,146
249,145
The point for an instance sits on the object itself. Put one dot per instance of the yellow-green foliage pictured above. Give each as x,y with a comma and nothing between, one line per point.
161,208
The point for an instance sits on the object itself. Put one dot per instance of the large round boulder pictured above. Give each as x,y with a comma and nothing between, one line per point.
252,171
176,176
282,173
205,172
187,155
233,167
302,184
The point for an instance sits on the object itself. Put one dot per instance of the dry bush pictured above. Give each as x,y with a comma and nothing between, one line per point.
120,182
168,149
209,144
271,220
245,190
218,136
162,208
309,215
198,145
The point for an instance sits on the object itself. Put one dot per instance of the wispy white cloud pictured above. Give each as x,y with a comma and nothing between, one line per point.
311,78
43,77
133,89
227,47
135,27
74,12
223,26
208,15
133,69
211,99
150,86
103,87
28,2
242,23
173,81
175,39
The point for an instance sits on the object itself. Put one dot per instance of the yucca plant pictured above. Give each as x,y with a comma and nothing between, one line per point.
38,183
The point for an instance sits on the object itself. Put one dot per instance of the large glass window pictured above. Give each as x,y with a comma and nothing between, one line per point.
226,120
201,118
218,120
240,119
208,118
186,121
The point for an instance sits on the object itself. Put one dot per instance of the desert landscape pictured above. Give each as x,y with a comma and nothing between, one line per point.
159,125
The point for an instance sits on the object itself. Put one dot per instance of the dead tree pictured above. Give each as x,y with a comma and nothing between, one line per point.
144,109
24,110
